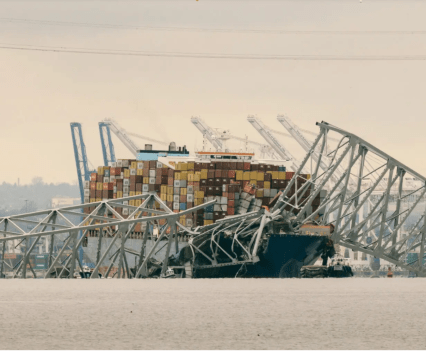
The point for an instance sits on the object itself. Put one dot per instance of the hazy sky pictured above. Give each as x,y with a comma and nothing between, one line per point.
42,92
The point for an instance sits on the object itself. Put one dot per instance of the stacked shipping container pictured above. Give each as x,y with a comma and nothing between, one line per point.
238,187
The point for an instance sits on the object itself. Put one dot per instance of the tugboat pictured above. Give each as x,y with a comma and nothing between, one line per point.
339,267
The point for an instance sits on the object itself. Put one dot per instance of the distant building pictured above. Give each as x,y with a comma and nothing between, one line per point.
64,201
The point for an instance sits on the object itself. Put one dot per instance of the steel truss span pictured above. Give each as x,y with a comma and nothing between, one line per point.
375,203
387,222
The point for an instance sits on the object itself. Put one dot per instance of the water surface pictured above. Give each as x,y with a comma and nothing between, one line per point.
213,314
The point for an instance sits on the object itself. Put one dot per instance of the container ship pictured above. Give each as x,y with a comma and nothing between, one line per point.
238,182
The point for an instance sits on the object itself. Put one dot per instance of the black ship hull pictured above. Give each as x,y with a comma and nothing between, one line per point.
282,257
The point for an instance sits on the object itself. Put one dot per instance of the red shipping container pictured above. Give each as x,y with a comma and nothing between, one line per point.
197,166
152,164
99,178
231,203
231,174
231,196
170,172
93,177
260,184
225,194
157,188
164,171
108,186
210,174
289,175
170,181
246,166
151,187
218,173
119,186
93,193
240,166
268,177
158,179
254,167
132,186
92,185
218,165
164,179
190,183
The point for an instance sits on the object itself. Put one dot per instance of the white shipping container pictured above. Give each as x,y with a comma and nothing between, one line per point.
274,192
125,189
189,222
176,198
267,192
106,179
119,163
140,165
183,183
224,208
176,183
133,171
152,173
126,203
190,189
145,187
151,180
189,198
217,208
86,200
175,205
125,211
126,163
159,165
87,192
113,164
223,200
87,184
176,191
126,182
111,178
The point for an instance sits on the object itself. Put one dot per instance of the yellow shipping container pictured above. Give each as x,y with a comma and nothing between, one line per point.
99,186
132,203
259,193
98,199
163,189
199,194
281,175
169,191
190,166
184,166
197,176
178,166
208,221
260,176
203,174
119,194
134,165
163,197
184,175
177,175
92,200
246,176
253,175
145,180
139,172
132,193
308,176
253,181
183,191
190,177
267,185
101,170
139,193
274,174
169,197
239,175
126,173
138,202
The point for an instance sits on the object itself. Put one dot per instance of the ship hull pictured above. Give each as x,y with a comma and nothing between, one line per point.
283,256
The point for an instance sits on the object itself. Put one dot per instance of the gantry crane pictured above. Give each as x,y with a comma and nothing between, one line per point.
81,161
215,139
266,133
109,125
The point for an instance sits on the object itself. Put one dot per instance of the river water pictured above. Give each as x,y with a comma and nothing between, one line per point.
356,313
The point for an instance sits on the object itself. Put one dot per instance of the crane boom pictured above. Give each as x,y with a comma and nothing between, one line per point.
123,136
207,132
266,133
148,139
